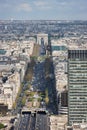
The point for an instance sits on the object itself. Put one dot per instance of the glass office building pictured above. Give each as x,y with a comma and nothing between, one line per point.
77,86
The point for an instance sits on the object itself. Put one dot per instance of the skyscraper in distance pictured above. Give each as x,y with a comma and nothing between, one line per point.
77,86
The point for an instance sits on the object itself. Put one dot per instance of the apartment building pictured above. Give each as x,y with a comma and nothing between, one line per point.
77,86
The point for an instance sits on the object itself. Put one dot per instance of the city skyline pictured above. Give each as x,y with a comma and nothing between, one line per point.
43,10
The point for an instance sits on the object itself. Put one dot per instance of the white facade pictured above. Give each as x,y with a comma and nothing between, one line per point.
10,89
8,95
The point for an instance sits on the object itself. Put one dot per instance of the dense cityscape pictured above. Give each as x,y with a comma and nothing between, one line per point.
43,72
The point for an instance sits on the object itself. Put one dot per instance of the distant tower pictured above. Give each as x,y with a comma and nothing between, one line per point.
77,86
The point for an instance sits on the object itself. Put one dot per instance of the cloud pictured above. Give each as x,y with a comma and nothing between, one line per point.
24,7
63,3
42,5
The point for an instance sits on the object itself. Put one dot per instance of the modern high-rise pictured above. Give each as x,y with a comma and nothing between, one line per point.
77,86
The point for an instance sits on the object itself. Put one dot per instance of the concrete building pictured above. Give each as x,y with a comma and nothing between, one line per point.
21,67
8,95
15,80
77,86
76,126
9,87
58,122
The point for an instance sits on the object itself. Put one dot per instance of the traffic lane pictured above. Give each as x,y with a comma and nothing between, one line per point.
24,122
42,123
32,123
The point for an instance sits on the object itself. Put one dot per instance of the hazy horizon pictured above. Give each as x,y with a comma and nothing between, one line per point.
43,10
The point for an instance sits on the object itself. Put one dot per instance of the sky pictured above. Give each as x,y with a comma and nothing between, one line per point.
43,9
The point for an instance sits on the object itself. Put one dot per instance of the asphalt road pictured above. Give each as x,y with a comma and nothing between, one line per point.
38,81
41,122
23,125
32,123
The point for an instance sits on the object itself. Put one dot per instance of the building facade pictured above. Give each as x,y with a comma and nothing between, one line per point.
77,86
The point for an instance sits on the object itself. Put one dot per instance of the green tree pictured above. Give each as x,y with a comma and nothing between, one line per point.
23,100
46,96
1,126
